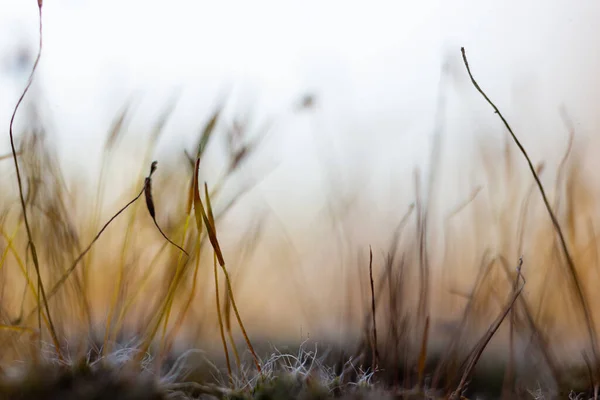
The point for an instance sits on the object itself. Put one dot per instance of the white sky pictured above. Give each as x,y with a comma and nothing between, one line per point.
374,66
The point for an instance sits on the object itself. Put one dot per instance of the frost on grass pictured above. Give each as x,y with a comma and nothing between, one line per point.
300,375
285,375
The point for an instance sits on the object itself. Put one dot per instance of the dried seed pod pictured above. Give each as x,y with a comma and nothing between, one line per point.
150,205
148,194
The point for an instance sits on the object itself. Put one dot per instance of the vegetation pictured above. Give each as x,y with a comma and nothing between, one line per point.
105,311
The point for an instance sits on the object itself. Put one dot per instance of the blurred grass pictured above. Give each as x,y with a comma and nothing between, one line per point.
132,292
117,291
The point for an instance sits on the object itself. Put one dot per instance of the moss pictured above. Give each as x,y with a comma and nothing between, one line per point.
77,383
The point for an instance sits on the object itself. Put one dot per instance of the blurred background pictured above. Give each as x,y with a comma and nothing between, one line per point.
359,111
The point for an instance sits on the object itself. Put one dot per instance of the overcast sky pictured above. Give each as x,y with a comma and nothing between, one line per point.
375,68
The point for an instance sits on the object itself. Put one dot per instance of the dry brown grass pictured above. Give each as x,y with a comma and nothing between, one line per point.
421,309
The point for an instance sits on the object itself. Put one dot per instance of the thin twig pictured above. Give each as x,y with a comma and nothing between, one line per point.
570,263
30,243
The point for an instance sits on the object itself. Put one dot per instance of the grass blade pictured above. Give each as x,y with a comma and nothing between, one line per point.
569,258
31,244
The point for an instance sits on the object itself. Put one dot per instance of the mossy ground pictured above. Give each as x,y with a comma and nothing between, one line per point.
75,279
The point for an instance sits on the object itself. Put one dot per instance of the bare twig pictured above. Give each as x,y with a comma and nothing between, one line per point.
30,243
570,263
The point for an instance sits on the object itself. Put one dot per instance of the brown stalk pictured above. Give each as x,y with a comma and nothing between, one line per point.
375,362
570,262
487,337
30,243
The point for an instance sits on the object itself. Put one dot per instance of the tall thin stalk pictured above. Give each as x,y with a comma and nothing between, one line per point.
589,321
30,242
